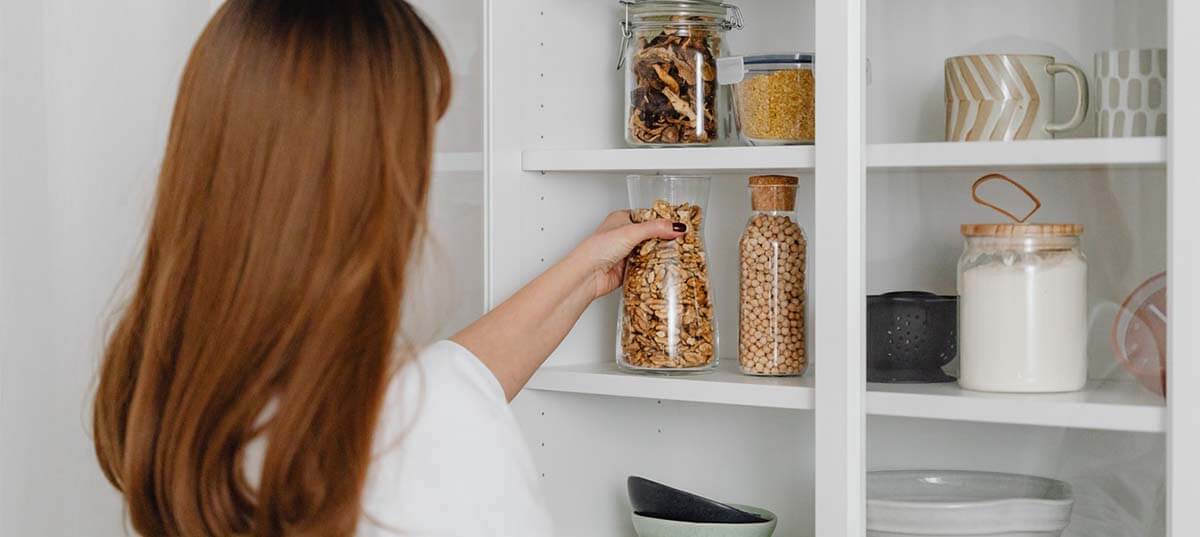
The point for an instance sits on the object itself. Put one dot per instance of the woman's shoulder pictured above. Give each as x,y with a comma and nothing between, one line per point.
444,384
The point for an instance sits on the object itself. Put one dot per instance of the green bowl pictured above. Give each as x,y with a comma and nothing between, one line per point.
657,527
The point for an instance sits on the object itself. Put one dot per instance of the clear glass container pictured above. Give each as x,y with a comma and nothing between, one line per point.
774,97
1023,319
771,339
666,321
669,51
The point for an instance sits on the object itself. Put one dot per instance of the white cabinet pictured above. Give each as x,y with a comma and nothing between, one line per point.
881,197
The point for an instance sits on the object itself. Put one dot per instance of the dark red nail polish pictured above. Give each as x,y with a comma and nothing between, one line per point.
679,226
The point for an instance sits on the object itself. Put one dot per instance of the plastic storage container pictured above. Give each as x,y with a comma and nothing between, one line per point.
666,321
771,338
774,97
669,50
1022,289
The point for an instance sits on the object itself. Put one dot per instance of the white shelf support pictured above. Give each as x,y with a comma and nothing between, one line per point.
1183,266
839,273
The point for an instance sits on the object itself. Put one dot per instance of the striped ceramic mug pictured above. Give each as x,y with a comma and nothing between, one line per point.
1007,97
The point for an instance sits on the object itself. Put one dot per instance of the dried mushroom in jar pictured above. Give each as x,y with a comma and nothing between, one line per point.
673,86
667,320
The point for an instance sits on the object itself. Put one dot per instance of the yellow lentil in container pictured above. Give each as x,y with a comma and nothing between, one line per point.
777,107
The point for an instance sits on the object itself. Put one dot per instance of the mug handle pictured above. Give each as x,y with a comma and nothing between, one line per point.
1081,96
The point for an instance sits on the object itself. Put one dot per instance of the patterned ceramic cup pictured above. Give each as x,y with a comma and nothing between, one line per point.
1131,90
1007,97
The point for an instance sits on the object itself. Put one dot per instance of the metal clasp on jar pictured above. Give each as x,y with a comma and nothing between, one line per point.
733,23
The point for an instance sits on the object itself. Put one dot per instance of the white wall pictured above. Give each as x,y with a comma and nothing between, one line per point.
86,90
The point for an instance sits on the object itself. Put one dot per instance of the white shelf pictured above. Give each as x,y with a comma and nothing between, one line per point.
1067,153
697,159
1108,405
723,386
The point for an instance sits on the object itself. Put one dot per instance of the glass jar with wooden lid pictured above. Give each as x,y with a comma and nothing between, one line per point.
1023,304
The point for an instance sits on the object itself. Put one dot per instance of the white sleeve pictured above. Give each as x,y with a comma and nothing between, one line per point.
450,460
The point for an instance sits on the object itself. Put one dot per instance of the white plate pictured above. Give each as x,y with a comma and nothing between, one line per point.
951,503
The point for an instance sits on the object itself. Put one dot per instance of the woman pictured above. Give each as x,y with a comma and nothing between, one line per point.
252,385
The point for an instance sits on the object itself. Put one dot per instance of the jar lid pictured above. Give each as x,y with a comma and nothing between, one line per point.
733,69
774,180
682,8
801,58
779,193
1022,230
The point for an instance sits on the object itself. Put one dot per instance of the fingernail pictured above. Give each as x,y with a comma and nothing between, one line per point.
679,226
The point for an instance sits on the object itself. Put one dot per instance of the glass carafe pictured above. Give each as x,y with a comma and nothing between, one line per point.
666,322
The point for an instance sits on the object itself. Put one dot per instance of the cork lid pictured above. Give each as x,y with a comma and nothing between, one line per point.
773,192
1022,230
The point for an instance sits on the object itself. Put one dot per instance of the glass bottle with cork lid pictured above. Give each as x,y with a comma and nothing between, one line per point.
1023,319
771,340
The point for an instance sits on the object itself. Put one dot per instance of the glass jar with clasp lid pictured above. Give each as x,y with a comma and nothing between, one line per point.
669,51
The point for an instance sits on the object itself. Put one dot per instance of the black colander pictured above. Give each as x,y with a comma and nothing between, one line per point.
910,336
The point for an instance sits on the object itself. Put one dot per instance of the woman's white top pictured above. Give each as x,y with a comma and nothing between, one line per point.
449,458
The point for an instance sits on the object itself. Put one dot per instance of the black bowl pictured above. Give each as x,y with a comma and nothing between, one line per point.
910,336
656,500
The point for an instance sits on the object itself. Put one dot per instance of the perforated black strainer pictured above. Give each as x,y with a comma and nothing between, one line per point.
910,336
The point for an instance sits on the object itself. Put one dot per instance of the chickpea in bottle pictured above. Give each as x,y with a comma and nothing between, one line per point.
771,338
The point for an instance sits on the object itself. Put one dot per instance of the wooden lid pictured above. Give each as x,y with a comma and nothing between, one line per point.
773,192
1022,230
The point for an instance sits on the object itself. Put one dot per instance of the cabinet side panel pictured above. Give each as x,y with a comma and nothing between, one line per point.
840,388
1183,266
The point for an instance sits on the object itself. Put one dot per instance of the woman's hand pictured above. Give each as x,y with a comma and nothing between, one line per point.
516,337
603,253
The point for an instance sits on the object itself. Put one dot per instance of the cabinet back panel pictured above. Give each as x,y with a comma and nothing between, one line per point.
586,447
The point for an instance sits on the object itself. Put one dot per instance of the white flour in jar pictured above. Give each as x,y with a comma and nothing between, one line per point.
1023,326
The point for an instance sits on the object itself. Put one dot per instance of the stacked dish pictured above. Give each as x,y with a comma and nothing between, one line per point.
948,503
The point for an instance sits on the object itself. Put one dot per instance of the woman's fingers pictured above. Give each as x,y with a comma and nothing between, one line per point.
614,220
634,234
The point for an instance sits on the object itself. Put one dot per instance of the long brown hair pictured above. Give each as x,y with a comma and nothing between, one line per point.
291,197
